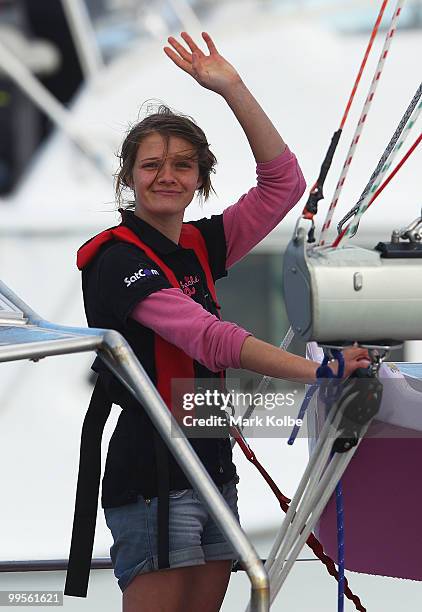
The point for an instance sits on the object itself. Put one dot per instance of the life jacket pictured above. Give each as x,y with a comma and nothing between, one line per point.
171,363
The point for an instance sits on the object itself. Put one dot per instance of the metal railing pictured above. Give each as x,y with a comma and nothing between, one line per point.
34,338
49,565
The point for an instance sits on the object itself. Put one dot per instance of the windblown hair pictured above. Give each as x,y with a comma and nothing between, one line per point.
167,123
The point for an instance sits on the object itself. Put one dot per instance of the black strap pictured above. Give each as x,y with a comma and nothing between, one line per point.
87,490
317,194
162,459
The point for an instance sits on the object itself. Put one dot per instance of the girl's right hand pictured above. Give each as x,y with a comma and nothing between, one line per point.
354,358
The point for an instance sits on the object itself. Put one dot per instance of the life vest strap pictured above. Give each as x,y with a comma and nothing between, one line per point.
171,363
161,454
87,491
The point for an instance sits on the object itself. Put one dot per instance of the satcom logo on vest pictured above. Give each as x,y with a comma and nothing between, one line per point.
141,273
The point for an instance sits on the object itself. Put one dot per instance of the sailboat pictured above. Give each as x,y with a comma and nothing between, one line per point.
299,67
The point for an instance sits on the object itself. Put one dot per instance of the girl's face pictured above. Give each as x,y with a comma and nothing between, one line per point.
164,178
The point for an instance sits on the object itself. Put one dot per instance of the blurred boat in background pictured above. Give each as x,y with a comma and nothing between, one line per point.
93,69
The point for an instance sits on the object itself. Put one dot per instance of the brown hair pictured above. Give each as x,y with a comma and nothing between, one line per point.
167,123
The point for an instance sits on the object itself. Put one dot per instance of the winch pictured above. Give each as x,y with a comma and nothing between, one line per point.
350,293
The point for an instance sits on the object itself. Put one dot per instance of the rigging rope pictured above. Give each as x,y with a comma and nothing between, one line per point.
384,184
324,168
340,546
365,59
316,191
399,137
310,209
361,123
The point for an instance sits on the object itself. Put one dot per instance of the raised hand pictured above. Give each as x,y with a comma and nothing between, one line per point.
211,71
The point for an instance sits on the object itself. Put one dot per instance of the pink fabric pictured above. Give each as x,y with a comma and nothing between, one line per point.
214,343
280,185
185,323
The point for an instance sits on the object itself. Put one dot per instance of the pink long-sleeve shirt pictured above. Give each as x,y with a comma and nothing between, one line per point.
185,323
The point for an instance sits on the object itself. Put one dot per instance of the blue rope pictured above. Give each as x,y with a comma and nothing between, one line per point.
324,371
340,546
340,515
330,396
301,414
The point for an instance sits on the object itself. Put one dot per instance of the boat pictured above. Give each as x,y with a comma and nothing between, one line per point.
65,195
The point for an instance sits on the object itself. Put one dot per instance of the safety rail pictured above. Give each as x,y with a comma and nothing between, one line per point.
37,338
49,565
99,563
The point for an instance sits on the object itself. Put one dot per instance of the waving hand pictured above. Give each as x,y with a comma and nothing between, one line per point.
214,72
211,71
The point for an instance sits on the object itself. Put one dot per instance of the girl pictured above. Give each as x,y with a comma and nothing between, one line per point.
152,279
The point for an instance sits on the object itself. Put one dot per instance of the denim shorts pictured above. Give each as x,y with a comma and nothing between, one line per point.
194,537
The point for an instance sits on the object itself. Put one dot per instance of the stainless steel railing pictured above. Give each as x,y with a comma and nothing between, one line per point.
36,338
48,565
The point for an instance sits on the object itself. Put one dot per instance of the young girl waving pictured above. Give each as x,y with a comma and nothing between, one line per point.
152,279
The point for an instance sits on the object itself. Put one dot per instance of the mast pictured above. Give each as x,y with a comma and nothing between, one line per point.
83,37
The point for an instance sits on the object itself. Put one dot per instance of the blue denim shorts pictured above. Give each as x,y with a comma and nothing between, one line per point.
194,537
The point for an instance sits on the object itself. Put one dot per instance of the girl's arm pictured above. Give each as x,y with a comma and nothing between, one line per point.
214,72
280,185
264,140
280,181
220,344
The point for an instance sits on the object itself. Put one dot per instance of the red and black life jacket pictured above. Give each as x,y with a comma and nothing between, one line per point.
171,363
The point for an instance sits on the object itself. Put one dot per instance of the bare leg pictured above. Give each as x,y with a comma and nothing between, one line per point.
210,585
199,588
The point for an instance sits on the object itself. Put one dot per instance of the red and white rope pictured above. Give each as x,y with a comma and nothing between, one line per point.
364,61
361,123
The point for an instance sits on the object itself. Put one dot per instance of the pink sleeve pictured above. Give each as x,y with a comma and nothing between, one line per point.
280,185
183,322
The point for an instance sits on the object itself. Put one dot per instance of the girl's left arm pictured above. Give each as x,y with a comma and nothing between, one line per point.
265,141
280,185
214,72
280,181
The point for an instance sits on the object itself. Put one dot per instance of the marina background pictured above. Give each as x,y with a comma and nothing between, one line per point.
56,190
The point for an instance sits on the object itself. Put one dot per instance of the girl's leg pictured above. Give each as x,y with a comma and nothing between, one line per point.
198,588
210,585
